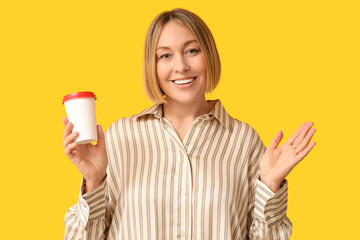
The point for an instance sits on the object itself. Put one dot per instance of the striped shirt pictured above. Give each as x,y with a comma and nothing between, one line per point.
157,187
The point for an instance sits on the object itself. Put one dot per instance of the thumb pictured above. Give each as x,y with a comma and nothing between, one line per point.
101,137
276,140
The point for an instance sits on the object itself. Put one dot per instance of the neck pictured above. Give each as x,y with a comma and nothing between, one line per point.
176,111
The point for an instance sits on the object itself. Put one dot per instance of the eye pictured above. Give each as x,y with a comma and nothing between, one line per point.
193,51
165,56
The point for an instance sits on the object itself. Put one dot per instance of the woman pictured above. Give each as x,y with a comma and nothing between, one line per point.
183,168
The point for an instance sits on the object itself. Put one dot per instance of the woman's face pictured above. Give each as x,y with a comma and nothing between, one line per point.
180,65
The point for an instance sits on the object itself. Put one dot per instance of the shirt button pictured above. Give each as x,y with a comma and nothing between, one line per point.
182,234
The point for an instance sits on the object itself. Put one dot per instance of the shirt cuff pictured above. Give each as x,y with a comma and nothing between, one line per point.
91,205
271,207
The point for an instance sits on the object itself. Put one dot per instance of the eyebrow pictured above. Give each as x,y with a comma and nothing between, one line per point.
186,43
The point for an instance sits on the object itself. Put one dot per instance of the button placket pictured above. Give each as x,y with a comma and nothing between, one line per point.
184,191
183,166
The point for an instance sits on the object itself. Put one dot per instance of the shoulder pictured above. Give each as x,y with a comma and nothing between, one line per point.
118,125
239,129
248,141
238,125
123,125
242,132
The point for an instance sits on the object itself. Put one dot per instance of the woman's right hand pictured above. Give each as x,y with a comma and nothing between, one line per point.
91,160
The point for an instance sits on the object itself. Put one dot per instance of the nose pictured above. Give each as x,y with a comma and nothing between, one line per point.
181,65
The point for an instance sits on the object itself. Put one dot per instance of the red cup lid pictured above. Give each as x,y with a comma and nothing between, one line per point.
79,95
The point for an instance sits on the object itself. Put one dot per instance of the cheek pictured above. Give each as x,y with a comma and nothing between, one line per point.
202,65
161,71
199,64
202,69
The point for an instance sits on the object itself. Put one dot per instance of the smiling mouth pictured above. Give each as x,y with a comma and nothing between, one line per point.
184,81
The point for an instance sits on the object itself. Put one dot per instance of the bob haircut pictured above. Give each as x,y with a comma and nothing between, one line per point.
207,46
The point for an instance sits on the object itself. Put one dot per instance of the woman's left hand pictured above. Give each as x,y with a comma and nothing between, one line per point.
277,163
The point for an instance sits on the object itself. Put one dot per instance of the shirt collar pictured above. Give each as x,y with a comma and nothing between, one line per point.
155,110
218,112
221,114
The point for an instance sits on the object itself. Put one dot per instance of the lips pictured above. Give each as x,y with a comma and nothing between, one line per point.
183,81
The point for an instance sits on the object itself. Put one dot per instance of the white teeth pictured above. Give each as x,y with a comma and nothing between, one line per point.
184,81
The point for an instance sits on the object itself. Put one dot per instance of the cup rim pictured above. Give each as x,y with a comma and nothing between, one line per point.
77,95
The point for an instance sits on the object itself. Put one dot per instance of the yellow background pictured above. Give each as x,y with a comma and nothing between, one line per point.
283,63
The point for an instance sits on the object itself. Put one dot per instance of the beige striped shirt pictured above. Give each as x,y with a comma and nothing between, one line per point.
157,187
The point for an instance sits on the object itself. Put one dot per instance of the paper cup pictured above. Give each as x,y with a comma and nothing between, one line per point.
80,109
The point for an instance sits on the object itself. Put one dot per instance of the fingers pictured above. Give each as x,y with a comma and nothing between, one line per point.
70,139
305,141
70,144
70,148
299,139
276,140
65,120
305,152
302,142
296,134
300,133
68,129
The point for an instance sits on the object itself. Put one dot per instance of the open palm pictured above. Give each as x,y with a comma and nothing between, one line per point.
277,163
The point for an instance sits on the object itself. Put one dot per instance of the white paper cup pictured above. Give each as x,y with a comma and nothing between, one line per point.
80,109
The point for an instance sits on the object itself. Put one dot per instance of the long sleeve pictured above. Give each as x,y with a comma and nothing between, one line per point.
86,219
268,215
267,210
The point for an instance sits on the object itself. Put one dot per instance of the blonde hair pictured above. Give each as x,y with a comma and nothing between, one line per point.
204,37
